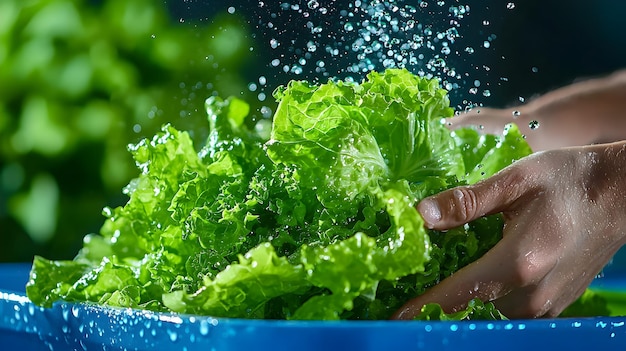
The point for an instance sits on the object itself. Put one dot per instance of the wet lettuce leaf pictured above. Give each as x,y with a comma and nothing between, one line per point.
318,222
591,303
476,310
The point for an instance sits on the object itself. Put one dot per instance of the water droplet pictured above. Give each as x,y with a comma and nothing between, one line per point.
311,47
534,124
204,327
313,4
510,5
600,275
231,10
516,113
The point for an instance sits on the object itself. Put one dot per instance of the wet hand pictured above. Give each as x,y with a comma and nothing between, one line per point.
565,217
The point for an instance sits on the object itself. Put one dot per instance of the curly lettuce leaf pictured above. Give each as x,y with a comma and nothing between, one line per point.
54,279
486,154
242,288
317,223
387,129
476,309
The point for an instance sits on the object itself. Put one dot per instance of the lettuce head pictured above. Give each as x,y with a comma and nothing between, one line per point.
318,222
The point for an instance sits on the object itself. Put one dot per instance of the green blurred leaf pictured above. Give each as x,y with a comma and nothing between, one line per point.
55,19
86,77
37,209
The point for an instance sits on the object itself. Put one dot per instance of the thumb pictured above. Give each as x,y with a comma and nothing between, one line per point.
457,206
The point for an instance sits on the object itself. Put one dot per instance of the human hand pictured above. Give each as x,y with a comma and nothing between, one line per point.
587,112
565,217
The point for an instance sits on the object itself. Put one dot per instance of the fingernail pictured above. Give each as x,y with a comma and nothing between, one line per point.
429,209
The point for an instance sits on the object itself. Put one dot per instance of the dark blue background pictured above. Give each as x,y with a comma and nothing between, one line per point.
563,40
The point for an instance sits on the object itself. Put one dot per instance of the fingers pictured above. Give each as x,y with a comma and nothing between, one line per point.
484,279
517,287
547,298
455,207
499,272
552,244
528,302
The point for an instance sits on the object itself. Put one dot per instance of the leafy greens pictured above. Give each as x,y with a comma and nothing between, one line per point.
318,222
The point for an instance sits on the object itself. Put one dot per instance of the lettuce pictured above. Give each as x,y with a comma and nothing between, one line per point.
318,222
476,309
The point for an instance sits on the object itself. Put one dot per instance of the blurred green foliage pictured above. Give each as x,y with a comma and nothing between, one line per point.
79,80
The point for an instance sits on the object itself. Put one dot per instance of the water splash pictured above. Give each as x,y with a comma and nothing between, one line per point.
317,41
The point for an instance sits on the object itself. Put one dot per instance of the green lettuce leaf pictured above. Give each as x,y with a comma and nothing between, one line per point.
242,288
484,155
318,222
476,309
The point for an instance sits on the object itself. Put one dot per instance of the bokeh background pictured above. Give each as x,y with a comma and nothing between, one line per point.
80,80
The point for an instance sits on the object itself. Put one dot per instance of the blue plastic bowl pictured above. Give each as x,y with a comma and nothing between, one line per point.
25,326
